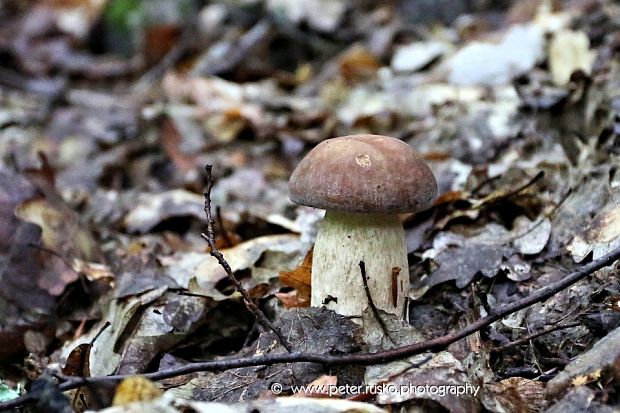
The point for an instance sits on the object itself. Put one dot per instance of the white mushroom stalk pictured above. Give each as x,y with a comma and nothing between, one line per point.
345,239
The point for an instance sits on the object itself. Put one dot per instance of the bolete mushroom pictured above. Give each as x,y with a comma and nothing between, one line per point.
363,182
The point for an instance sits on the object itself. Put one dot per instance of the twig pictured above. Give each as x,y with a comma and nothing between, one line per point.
210,238
434,344
371,303
533,336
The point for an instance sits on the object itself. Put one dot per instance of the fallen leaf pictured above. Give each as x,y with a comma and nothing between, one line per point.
496,64
602,235
569,52
152,209
300,279
201,273
415,56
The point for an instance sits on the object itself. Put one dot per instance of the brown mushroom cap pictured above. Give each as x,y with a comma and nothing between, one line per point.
363,173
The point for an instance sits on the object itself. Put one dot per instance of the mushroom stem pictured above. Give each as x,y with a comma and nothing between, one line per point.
345,239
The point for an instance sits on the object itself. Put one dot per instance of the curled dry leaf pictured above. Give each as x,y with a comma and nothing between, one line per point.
108,342
300,280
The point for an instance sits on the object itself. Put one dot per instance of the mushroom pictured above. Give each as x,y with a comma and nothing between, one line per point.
363,182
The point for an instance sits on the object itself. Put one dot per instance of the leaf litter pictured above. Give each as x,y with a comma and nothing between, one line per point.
514,107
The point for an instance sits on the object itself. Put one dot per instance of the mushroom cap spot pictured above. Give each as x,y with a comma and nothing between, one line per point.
363,173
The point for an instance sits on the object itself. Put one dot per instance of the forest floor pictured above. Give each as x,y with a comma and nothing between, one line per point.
110,111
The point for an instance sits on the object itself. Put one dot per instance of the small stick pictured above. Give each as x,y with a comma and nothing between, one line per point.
532,336
371,303
210,238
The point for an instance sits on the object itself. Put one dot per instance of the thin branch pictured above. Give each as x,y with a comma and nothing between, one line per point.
371,303
532,336
210,238
434,344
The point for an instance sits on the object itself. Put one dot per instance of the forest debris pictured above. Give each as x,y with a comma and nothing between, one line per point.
104,356
152,209
416,55
134,389
201,273
20,280
323,386
532,237
282,88
308,329
300,280
215,96
580,399
61,231
358,64
569,51
496,64
589,196
466,258
602,236
159,327
321,15
248,192
277,405
599,362
442,369
515,394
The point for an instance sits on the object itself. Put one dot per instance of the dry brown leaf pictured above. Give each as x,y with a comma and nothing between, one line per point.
170,140
358,64
291,299
300,279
